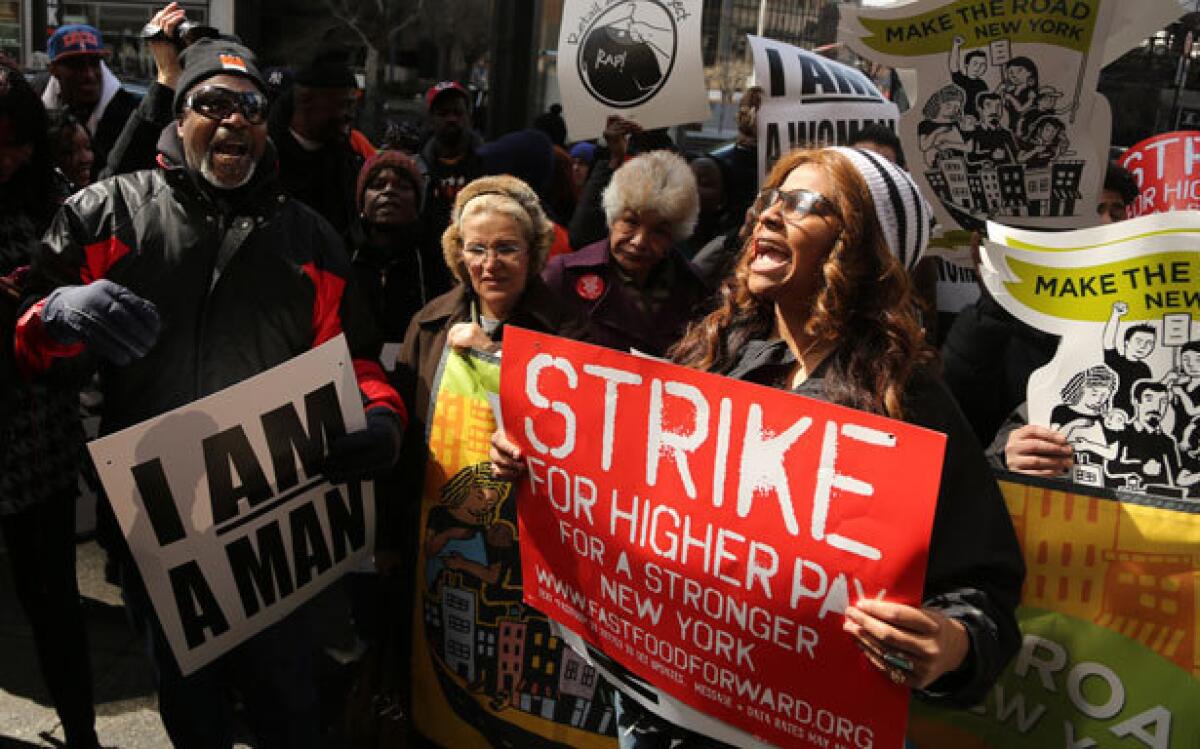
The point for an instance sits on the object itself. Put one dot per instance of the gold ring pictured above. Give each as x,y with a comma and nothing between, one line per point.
896,675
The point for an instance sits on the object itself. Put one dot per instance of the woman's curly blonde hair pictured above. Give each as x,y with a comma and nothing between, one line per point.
507,196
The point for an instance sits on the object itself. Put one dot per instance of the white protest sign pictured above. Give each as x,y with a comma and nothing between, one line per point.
957,282
224,507
810,100
957,286
640,59
1124,385
1008,123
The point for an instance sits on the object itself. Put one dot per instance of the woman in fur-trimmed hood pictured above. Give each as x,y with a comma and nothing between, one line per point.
635,286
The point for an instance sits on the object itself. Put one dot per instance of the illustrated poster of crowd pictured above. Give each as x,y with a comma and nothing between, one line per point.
1006,124
492,663
1133,415
1124,384
995,141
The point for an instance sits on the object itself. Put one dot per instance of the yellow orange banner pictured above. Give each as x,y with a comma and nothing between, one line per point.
1109,616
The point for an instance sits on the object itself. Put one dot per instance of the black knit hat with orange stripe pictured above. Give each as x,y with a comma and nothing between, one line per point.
212,57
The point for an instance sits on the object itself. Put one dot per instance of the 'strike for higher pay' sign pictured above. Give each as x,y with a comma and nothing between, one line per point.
707,535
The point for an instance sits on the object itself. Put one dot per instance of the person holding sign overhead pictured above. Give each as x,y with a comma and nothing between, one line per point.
819,305
180,282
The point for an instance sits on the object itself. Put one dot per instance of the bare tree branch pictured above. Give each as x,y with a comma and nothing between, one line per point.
350,20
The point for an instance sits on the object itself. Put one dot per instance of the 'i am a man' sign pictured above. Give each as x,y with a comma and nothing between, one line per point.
224,506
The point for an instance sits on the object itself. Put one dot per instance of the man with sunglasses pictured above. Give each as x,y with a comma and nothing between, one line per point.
179,282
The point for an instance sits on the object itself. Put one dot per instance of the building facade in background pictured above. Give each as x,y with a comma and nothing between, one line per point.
26,24
804,23
1153,88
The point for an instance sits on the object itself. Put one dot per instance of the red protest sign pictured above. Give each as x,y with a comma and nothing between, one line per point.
1167,170
707,534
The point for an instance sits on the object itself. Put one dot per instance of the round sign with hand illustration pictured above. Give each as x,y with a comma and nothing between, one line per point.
628,52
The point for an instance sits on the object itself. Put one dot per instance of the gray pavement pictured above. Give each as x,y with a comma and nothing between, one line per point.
126,708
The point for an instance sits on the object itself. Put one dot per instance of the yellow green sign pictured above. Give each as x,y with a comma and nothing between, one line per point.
1151,286
1063,23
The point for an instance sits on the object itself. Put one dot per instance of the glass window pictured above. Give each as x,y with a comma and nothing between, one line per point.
11,37
121,23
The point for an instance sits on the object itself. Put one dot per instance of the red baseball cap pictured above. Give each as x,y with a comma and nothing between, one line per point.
438,89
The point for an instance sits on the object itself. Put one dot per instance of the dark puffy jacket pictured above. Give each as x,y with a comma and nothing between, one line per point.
987,358
324,180
975,569
397,281
243,282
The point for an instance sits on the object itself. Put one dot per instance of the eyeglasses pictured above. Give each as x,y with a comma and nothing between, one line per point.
218,103
796,203
505,253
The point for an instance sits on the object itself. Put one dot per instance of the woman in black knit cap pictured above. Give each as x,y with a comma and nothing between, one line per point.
397,267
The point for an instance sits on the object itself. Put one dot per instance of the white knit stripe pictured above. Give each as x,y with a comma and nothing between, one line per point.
885,201
903,213
903,247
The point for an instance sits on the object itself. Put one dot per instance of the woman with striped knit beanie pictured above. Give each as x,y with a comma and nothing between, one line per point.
820,304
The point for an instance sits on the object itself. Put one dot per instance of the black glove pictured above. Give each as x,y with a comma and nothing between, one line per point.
108,318
367,453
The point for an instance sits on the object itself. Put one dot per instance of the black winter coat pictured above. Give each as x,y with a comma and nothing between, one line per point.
397,281
987,358
41,436
976,568
242,281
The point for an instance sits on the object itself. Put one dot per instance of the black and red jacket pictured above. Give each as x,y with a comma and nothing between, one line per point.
243,281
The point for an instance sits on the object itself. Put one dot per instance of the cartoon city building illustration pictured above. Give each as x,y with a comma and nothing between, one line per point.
485,643
937,182
539,689
1065,179
978,196
991,188
955,171
1012,188
458,625
1160,584
1037,190
510,656
577,679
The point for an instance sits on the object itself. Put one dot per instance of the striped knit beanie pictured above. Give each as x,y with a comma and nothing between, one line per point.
905,217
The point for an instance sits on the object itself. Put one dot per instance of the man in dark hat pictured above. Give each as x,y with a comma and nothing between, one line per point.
179,282
81,83
311,129
449,156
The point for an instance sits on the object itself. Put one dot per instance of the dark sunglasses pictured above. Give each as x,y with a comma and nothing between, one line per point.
796,203
218,103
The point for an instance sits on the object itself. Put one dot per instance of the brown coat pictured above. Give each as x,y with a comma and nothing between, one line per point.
417,367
